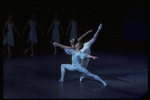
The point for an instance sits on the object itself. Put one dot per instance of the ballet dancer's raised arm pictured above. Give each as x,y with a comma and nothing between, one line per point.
62,46
4,29
95,35
80,38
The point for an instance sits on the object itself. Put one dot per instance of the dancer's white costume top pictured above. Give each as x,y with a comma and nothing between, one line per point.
86,48
73,33
32,34
9,35
76,57
55,33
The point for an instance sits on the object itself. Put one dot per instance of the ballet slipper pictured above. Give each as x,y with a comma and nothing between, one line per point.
9,56
54,52
61,80
32,54
100,26
104,83
81,78
26,50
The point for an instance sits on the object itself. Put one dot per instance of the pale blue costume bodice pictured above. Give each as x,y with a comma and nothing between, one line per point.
76,57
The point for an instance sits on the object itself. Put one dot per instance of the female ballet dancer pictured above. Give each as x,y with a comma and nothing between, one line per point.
32,34
8,36
76,66
74,28
55,33
86,48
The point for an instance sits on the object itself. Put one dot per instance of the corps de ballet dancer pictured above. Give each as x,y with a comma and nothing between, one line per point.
32,34
77,55
8,35
55,33
74,29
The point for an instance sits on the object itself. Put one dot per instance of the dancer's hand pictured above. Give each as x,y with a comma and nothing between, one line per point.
94,57
66,34
62,33
43,32
19,35
55,43
23,33
4,37
47,33
90,31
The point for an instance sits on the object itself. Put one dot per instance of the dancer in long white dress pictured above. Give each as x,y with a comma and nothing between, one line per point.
55,33
74,28
8,36
76,66
32,34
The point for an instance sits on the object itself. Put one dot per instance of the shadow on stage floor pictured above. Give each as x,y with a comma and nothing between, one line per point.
37,76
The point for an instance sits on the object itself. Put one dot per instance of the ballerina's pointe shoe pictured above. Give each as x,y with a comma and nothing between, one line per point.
104,84
32,54
61,80
81,78
26,50
54,52
9,56
100,26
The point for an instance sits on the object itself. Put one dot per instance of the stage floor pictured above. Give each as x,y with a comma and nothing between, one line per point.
37,77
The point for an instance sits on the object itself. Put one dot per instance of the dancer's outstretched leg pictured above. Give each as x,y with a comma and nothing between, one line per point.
32,44
8,48
85,62
55,50
95,35
86,72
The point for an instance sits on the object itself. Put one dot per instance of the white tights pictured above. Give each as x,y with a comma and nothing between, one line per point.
80,69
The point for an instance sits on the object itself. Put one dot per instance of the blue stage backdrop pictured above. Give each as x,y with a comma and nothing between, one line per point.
135,22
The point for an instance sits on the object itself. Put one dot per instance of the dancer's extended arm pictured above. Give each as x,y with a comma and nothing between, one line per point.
95,35
4,29
62,46
93,57
79,39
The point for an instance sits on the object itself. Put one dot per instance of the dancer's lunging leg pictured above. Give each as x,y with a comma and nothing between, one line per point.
63,67
86,72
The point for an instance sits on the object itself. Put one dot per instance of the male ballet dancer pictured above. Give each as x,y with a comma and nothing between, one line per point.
77,55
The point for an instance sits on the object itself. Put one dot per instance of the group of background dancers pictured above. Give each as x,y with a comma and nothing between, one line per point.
80,52
32,38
